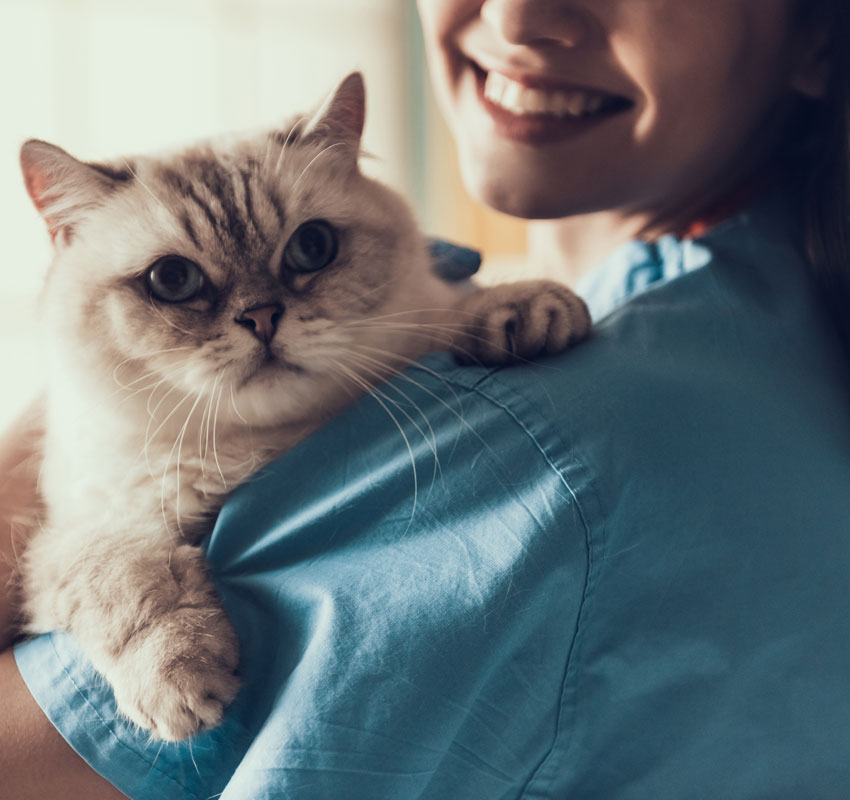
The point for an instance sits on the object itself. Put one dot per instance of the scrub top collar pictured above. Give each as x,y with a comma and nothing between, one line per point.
638,265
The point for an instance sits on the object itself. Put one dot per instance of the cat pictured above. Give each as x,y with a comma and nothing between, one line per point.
205,310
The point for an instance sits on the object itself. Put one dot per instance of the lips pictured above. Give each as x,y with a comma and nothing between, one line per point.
536,111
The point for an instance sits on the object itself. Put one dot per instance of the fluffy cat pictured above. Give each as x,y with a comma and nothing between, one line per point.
205,311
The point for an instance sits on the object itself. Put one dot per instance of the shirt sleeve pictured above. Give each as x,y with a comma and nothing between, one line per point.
407,586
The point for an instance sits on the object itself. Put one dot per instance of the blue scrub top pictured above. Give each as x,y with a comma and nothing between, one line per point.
620,573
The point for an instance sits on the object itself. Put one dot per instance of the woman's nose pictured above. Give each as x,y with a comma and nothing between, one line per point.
528,22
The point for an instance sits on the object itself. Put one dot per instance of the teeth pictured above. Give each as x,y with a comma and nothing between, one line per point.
594,103
576,103
521,99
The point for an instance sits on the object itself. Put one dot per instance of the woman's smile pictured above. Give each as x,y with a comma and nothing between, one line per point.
535,110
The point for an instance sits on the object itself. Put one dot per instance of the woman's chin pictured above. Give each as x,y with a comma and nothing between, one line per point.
517,198
511,188
522,188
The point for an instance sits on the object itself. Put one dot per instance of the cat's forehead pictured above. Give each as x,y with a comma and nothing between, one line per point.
238,200
222,206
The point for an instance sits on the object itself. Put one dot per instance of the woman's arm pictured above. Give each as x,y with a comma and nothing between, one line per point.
35,761
20,461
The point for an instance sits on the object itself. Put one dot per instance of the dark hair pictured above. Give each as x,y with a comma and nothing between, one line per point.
827,171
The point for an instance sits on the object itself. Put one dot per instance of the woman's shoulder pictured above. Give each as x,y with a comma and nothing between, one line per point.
723,369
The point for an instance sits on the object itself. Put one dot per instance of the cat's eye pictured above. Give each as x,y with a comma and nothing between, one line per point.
175,279
312,247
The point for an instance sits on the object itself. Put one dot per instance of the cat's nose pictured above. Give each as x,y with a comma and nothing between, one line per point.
261,320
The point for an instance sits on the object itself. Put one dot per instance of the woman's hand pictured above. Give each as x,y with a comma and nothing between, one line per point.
20,462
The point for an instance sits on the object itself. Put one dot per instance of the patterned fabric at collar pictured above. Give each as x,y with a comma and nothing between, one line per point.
767,208
637,265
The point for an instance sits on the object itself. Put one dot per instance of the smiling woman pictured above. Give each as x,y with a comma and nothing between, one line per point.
627,577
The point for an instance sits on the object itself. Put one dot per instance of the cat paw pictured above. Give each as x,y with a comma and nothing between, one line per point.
518,321
176,675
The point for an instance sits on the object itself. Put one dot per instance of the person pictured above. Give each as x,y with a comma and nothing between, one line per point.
623,571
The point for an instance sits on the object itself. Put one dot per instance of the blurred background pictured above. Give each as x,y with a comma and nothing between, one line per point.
103,78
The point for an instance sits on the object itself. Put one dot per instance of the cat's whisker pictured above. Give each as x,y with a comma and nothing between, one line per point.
203,440
375,289
168,321
149,437
166,371
176,369
141,357
446,327
148,386
179,445
397,373
150,354
379,371
159,750
120,384
204,428
166,379
286,143
152,411
233,405
407,312
448,333
123,387
435,396
19,528
440,339
313,161
151,389
192,756
352,391
215,424
450,342
363,384
269,142
146,187
203,437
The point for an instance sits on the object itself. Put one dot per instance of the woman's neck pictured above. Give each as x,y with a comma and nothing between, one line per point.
565,249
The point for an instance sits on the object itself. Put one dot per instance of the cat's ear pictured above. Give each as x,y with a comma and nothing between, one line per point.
340,119
61,187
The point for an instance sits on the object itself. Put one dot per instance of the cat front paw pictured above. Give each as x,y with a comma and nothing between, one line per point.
518,321
177,674
180,678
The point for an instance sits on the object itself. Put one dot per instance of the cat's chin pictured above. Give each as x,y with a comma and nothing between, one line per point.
272,369
277,393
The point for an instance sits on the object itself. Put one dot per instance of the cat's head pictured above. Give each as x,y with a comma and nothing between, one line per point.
251,265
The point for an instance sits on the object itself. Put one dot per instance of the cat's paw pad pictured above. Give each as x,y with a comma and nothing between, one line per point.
518,321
